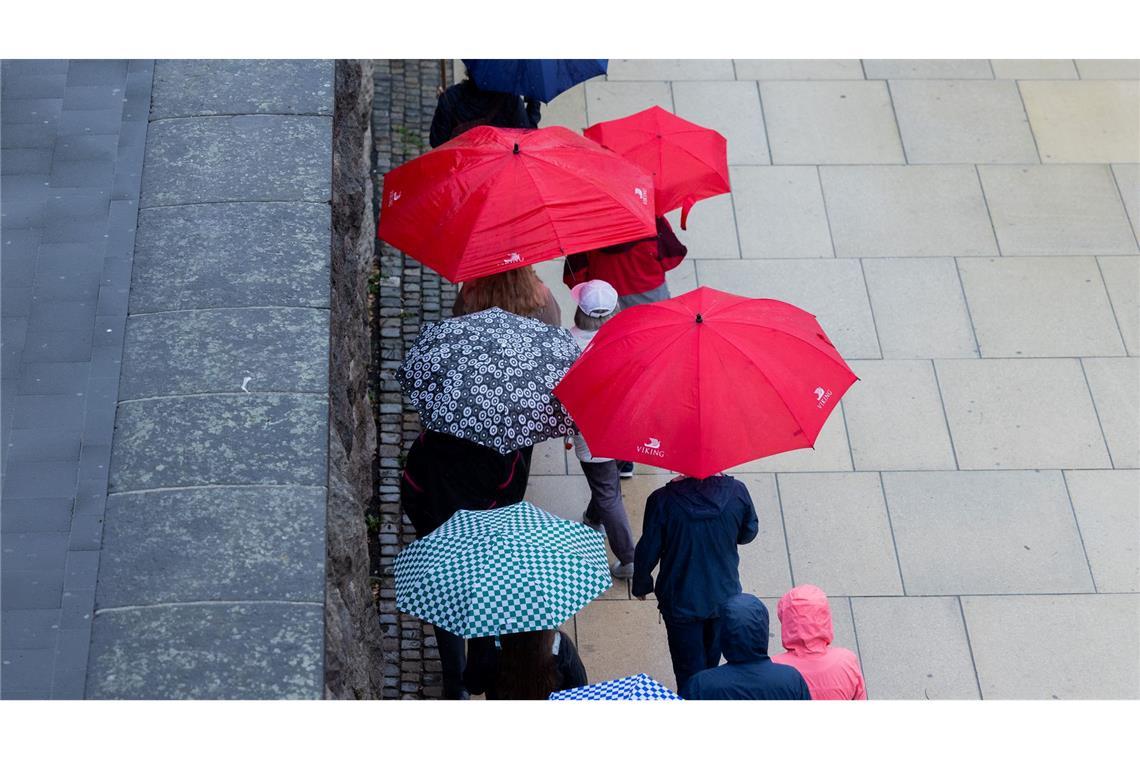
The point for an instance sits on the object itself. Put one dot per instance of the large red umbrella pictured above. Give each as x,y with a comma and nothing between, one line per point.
705,381
688,162
494,199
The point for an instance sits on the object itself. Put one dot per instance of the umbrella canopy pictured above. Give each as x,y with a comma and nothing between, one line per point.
540,78
488,378
688,162
638,688
494,199
705,381
501,571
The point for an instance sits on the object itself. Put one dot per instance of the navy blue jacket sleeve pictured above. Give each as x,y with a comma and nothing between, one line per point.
648,551
750,526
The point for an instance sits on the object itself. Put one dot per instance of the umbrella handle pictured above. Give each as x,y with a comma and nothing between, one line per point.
685,214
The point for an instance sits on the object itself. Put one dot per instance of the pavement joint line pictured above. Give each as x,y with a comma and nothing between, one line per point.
222,393
204,603
224,308
945,416
767,140
970,315
831,239
1028,123
870,308
970,646
1077,522
895,115
736,229
231,115
855,630
784,528
891,527
165,489
1111,306
847,431
989,214
1131,222
735,76
232,203
1096,411
672,98
863,67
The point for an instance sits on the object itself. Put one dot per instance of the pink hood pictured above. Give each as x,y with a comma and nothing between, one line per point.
805,620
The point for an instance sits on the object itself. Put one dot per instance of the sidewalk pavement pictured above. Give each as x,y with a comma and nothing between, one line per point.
966,233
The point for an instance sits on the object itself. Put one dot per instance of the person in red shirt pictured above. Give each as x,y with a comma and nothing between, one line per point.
805,628
635,269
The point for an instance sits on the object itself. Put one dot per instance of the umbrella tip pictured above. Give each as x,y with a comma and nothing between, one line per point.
516,148
700,319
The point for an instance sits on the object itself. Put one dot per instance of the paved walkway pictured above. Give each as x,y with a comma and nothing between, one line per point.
966,233
73,135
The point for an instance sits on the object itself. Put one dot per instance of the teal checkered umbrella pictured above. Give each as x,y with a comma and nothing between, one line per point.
500,571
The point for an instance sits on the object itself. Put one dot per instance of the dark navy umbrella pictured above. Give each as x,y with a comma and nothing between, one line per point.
541,78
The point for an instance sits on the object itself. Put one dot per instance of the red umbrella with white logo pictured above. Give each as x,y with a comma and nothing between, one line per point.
705,381
496,199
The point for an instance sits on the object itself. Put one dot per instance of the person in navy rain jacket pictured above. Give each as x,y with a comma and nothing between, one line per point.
692,526
749,673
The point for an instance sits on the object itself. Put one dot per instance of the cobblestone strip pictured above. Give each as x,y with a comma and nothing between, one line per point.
406,296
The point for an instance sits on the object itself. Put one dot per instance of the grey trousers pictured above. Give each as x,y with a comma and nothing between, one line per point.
607,508
659,293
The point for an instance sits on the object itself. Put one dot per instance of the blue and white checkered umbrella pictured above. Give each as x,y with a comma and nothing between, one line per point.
499,571
631,688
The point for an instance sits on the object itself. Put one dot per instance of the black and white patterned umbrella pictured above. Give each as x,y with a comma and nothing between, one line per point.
488,377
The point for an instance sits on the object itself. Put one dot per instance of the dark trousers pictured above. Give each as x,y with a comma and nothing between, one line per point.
607,508
452,662
693,646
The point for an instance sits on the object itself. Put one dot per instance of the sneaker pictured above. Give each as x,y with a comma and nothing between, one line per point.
625,469
595,525
621,571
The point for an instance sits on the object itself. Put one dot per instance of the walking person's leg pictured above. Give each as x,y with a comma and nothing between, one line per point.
686,649
452,661
607,508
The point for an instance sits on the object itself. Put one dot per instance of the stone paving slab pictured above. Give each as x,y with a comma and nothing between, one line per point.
711,232
986,533
620,69
1015,646
155,542
212,88
731,108
839,535
1030,306
907,211
764,569
242,163
615,100
895,418
799,68
1105,505
780,212
1036,68
226,350
231,255
1021,414
919,308
962,122
1104,68
1121,276
568,110
928,68
1085,122
618,639
914,648
243,439
273,651
832,290
1056,210
830,123
1115,386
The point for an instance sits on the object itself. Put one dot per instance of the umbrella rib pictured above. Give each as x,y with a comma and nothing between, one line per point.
764,375
790,335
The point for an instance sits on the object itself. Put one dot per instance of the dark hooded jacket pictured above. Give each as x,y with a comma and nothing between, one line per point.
692,527
748,673
444,474
464,106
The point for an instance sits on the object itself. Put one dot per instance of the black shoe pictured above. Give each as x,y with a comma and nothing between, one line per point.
625,469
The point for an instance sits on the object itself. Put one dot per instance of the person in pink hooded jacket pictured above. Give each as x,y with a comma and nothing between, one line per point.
805,620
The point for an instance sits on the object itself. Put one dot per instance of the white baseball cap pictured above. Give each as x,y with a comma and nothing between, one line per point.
595,297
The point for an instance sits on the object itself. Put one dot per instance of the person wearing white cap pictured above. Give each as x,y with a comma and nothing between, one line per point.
605,513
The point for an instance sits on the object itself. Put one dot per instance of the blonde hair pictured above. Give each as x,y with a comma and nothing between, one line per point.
518,291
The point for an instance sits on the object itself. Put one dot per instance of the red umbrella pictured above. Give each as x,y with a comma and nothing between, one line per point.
689,162
495,199
705,381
